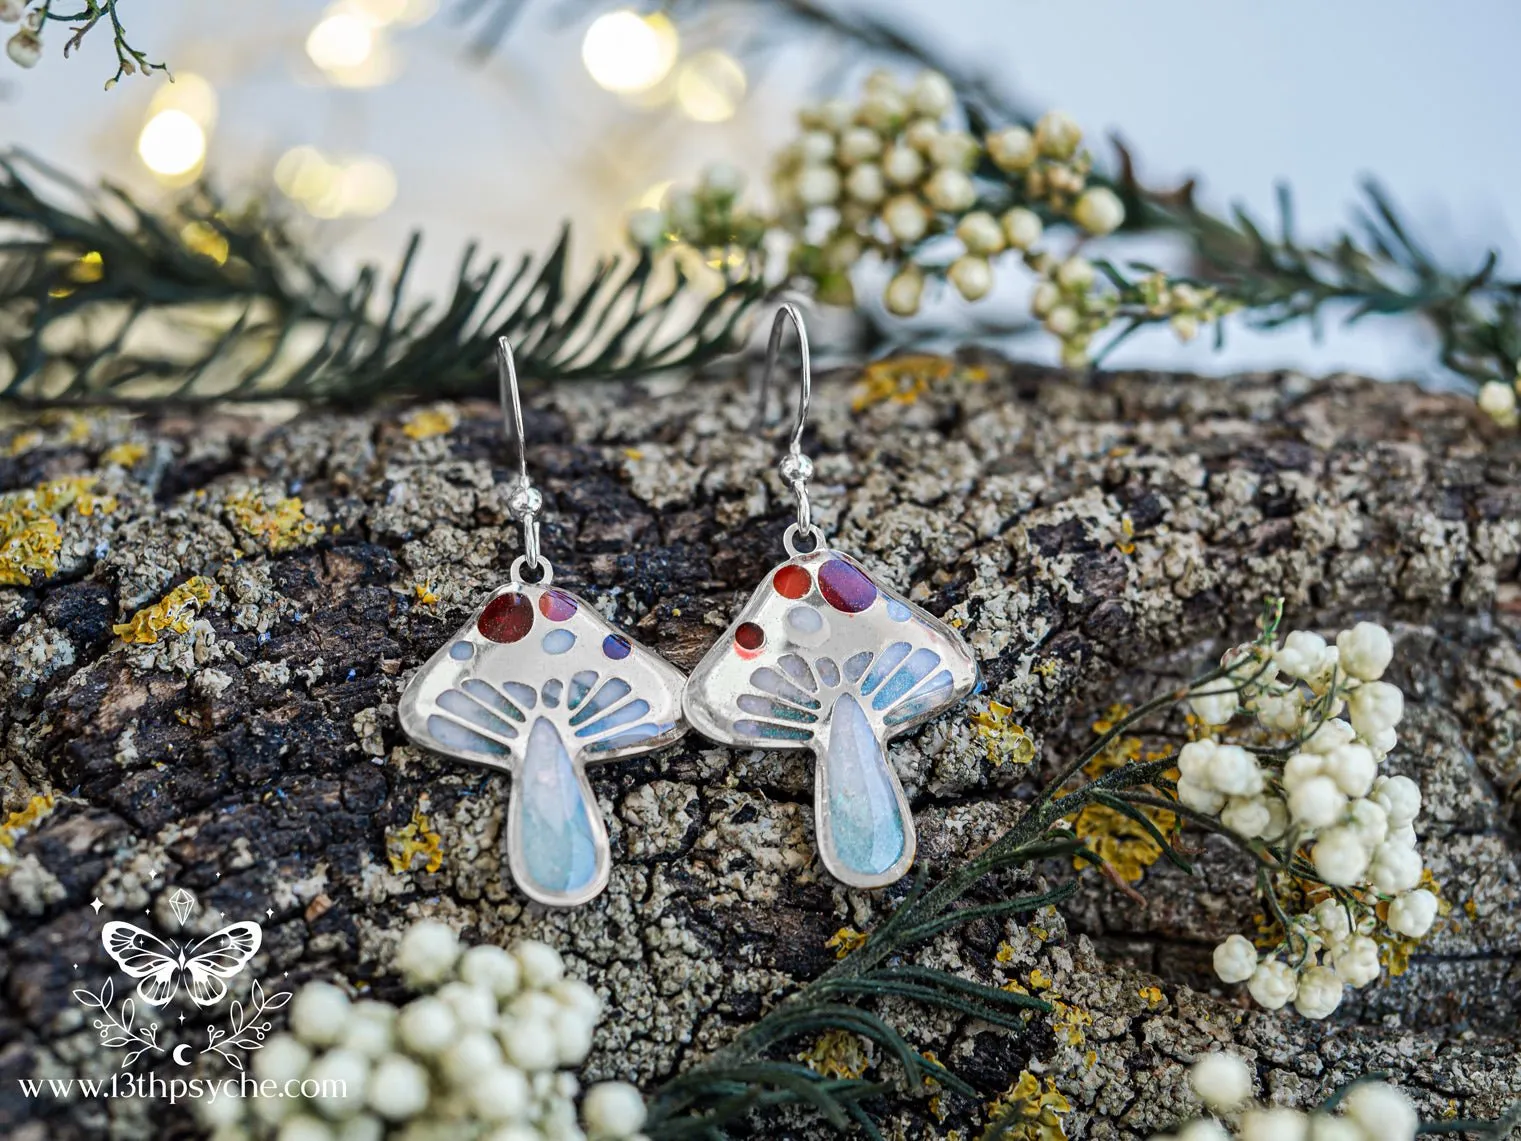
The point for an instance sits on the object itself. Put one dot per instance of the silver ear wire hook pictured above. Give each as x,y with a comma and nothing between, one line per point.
524,501
795,468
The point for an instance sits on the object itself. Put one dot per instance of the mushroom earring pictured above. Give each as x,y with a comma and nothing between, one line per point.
538,686
825,657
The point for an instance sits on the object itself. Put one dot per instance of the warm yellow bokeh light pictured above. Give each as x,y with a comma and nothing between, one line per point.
405,12
172,144
334,188
342,39
709,86
628,53
189,93
366,187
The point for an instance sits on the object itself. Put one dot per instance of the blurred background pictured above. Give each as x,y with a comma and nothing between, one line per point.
372,118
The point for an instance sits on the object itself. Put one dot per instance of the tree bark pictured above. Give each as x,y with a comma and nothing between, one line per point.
1096,541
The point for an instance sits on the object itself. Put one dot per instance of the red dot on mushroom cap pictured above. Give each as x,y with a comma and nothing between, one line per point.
792,581
507,618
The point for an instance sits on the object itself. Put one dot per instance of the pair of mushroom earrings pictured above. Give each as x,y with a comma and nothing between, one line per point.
822,657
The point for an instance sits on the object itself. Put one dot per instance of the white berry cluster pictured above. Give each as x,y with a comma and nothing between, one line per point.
1370,1111
1322,793
1498,398
713,237
477,1056
25,46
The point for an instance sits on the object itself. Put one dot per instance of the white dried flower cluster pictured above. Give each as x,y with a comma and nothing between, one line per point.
1498,399
476,1056
893,171
712,237
1324,793
25,46
1370,1111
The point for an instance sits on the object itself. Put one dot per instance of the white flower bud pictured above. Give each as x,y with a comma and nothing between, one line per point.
859,144
1234,771
921,135
1280,711
1366,651
1331,917
500,1094
1330,736
474,1007
426,1026
1383,742
818,186
612,1110
972,277
1185,326
950,190
883,111
398,1088
1375,706
1340,857
1021,228
1413,913
319,1014
1044,299
1275,1124
491,967
471,1056
903,291
835,114
24,48
303,1127
1099,211
931,94
1301,768
1062,321
283,1057
1498,400
1012,148
573,1036
1273,984
906,218
1195,759
1235,959
1317,803
681,208
1199,797
1303,655
1399,797
1395,868
427,953
1223,1082
1369,821
980,232
865,184
816,148
902,165
529,1044
1214,703
1075,274
1247,816
11,11
1352,767
955,149
723,179
1356,963
1319,993
1057,136
338,1070
1381,1111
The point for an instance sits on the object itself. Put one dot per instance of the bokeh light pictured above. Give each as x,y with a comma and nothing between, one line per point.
172,144
710,86
327,187
628,53
342,39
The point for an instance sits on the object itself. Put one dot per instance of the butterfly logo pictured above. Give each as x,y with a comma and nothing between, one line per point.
203,965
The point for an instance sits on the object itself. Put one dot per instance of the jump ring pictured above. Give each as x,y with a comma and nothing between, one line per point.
521,563
789,540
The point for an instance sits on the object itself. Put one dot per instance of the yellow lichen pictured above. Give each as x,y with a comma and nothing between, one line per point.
844,941
175,613
1004,740
904,379
29,538
1125,543
1070,1023
1029,1110
280,526
424,593
406,844
427,422
1152,995
1123,843
837,1054
1004,954
23,441
124,455
20,822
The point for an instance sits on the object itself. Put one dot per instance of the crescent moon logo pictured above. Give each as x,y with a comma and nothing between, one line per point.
179,1061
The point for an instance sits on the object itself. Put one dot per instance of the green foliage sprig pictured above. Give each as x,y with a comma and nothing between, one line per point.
25,47
103,300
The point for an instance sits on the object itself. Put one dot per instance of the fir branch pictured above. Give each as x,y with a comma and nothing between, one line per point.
105,301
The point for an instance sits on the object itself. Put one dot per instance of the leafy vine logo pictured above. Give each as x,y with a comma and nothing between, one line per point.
172,972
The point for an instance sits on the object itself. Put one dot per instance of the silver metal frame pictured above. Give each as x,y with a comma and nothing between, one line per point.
726,674
471,657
